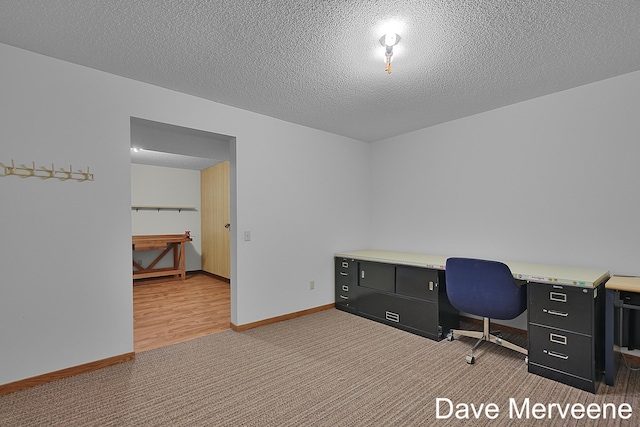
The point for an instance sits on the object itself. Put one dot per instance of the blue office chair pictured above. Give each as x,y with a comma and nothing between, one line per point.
488,289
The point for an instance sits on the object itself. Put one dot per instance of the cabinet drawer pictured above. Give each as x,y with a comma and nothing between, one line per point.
377,276
346,270
345,282
417,282
565,351
398,311
565,307
346,295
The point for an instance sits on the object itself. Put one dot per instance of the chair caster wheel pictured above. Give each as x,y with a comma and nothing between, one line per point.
526,360
470,360
449,336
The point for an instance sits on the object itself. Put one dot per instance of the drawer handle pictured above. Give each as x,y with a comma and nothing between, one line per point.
345,288
363,274
343,297
557,296
343,274
558,355
394,317
555,313
558,339
345,265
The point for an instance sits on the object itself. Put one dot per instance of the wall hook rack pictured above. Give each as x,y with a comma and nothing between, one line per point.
42,172
165,208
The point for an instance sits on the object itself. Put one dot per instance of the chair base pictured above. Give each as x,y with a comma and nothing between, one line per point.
483,336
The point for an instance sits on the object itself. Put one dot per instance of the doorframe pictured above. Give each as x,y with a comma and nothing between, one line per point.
233,203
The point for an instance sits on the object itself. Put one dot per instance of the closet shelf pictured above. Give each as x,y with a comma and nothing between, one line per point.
163,208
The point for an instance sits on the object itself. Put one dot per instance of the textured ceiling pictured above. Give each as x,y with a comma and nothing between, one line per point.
319,64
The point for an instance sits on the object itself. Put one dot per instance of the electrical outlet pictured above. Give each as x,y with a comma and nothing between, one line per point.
312,285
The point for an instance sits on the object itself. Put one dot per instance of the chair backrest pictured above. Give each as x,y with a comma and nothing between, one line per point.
484,288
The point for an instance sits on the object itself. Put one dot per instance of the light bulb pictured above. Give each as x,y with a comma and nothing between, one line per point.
390,39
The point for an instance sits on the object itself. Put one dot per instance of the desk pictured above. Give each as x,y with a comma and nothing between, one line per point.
539,273
616,287
408,291
165,243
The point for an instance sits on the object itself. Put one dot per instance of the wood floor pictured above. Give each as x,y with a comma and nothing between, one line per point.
168,310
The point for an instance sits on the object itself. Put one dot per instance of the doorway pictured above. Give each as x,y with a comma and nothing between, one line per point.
170,158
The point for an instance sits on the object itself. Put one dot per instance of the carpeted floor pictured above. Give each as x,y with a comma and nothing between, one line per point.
326,369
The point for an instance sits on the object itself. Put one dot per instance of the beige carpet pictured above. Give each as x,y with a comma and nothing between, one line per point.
326,369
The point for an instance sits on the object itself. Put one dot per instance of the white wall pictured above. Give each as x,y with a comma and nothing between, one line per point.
309,199
162,186
66,295
553,180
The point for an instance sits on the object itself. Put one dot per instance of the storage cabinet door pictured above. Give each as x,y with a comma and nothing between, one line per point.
377,276
417,282
407,313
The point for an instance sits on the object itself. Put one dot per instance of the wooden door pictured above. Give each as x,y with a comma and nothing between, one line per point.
215,216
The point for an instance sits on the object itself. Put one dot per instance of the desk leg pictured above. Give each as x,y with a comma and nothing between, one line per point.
610,365
174,250
183,261
631,339
178,259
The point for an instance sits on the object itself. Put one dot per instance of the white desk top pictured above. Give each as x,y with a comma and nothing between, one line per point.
532,272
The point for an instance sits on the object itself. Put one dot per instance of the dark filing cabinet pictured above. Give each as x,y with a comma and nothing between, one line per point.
410,298
566,333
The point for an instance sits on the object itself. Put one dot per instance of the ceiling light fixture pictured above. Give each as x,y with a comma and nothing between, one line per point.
389,40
